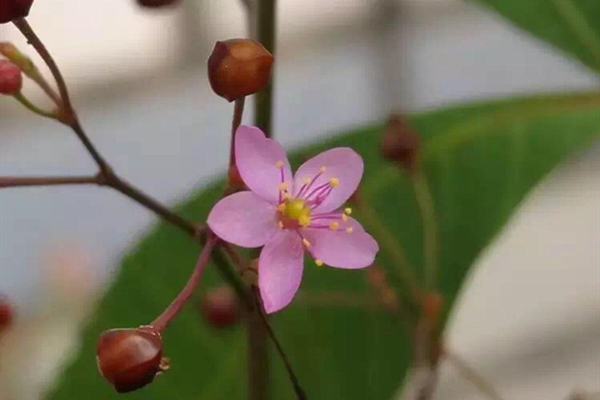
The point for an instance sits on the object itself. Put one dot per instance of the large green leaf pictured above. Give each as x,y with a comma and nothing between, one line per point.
571,25
481,161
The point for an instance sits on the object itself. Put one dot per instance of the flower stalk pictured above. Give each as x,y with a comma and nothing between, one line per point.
266,24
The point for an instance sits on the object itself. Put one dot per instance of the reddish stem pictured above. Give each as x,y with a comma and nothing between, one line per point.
238,112
176,306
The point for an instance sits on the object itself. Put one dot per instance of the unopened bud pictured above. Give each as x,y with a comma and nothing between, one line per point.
129,359
6,314
13,9
220,307
157,3
239,67
401,144
11,78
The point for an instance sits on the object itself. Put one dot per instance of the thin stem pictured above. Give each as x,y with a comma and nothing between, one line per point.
176,306
258,356
472,376
20,97
266,28
238,112
430,230
140,197
27,31
390,244
18,181
78,129
288,366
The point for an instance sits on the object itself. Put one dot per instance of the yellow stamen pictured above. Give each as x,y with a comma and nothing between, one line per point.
307,180
349,229
279,164
334,182
334,226
348,211
323,169
304,220
286,195
344,218
282,186
319,263
281,207
306,243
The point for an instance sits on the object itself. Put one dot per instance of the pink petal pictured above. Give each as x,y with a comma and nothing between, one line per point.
257,158
244,219
341,249
342,163
280,270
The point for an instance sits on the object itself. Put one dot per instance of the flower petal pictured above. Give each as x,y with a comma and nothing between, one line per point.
280,270
342,163
258,160
244,219
340,248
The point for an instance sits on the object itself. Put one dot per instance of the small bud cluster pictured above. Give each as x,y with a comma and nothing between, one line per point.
238,68
13,9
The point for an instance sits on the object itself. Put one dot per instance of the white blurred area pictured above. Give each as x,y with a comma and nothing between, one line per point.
530,319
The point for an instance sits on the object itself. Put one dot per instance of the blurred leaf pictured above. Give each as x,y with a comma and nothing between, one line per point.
481,160
571,25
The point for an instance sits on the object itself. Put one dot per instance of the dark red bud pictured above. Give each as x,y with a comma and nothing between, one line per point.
6,314
401,144
11,78
129,359
13,9
239,67
157,3
220,307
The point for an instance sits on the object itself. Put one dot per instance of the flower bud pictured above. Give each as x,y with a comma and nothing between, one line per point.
157,3
220,307
6,314
13,9
239,67
401,144
11,79
130,358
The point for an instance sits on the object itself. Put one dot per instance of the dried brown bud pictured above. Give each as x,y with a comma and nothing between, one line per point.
157,3
130,358
239,67
401,144
13,9
11,78
220,307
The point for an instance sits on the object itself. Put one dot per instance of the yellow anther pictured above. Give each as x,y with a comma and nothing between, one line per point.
319,263
286,195
334,226
348,211
349,229
344,218
281,207
305,242
304,220
307,180
282,186
279,164
334,182
323,169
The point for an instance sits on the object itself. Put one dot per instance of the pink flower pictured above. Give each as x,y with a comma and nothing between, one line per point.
290,215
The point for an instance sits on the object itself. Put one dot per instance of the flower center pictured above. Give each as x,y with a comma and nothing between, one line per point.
294,213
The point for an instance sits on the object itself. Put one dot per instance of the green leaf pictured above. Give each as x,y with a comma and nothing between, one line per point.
571,25
481,160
